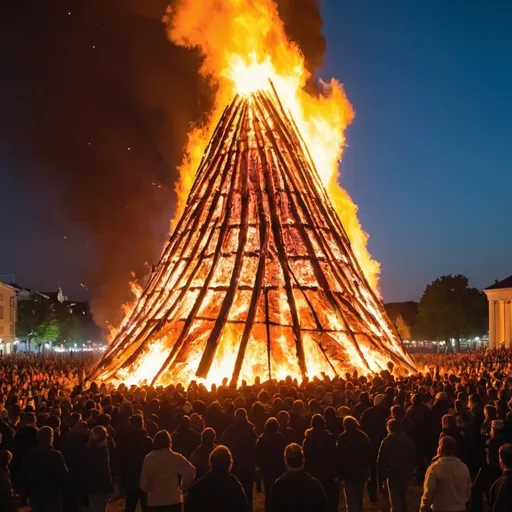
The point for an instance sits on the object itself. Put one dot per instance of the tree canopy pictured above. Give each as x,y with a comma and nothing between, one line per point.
450,308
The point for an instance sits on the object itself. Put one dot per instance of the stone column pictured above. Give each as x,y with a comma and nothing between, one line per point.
506,322
492,325
501,321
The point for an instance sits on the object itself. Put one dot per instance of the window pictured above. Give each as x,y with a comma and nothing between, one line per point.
12,302
1,297
1,312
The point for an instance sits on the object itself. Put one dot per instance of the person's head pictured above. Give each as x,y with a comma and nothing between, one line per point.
490,412
350,424
45,437
447,446
184,423
283,418
379,400
364,398
99,434
505,454
241,415
417,399
449,421
318,422
392,426
497,427
221,459
293,457
54,422
398,413
208,437
104,420
30,419
162,440
5,458
271,427
136,421
460,406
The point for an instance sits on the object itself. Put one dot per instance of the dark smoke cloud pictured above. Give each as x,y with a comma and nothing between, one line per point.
98,104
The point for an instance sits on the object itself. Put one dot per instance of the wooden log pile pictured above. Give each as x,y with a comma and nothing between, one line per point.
259,275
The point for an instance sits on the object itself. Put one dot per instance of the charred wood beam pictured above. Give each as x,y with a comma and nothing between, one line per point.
226,206
213,340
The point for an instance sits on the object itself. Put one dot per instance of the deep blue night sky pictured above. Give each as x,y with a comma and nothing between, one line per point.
428,158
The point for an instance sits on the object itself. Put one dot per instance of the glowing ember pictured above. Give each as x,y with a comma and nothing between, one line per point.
260,277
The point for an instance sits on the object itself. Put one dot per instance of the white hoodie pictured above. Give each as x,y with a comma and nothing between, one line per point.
159,477
447,486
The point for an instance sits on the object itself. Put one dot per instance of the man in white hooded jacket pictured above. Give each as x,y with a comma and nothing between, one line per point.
447,486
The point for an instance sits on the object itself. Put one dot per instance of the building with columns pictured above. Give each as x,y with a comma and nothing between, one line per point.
499,296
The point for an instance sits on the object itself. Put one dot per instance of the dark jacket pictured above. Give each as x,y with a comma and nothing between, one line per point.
6,493
185,441
354,455
73,450
241,438
501,493
270,456
216,491
97,462
290,435
397,456
200,458
132,447
297,491
299,423
319,458
23,442
373,423
45,476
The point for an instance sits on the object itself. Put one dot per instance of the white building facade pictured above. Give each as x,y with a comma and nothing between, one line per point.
8,306
499,296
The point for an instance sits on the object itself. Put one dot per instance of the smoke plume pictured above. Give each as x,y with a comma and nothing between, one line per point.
98,103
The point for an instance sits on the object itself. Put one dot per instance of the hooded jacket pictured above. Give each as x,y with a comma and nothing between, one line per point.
159,477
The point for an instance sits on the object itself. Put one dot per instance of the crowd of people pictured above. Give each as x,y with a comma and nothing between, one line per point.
67,445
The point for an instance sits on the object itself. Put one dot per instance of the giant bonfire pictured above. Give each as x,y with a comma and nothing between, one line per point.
266,272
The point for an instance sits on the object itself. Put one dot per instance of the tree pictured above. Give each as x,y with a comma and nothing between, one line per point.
450,308
37,321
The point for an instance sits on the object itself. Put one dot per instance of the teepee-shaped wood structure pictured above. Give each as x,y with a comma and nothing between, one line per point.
258,277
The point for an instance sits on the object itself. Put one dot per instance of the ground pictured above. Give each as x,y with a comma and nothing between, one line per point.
381,506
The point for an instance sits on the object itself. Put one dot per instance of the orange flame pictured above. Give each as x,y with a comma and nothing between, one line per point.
244,45
245,48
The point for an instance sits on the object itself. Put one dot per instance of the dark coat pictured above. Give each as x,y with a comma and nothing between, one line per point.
397,456
297,491
6,493
73,450
132,447
354,455
299,423
319,457
216,491
45,476
241,438
200,458
185,441
421,435
97,463
290,435
373,423
501,493
270,456
23,442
